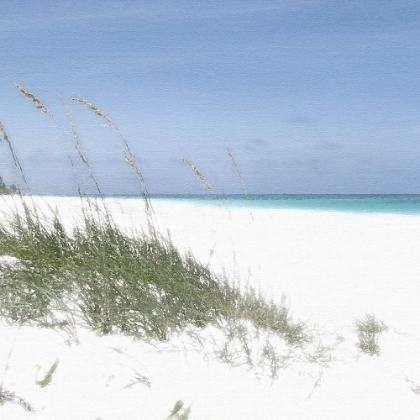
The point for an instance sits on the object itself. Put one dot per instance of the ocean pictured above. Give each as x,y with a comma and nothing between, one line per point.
356,203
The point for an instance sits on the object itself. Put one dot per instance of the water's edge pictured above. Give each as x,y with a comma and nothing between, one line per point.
355,203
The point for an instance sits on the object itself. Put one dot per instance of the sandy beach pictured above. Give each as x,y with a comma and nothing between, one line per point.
332,268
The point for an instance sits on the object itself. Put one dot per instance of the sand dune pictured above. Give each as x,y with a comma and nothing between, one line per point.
332,267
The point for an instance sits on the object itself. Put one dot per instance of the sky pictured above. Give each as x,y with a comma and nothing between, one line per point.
312,97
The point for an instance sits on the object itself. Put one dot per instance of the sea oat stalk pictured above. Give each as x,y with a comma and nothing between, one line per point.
200,176
127,153
33,99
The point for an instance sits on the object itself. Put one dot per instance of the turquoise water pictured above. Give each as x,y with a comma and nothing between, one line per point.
397,204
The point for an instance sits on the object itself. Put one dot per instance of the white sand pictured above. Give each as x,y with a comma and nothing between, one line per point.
333,268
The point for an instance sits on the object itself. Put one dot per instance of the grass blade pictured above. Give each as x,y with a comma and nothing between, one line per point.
235,166
48,376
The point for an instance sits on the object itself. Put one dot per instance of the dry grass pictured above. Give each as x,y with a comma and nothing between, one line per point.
11,397
201,178
95,109
4,134
235,166
33,99
368,332
127,153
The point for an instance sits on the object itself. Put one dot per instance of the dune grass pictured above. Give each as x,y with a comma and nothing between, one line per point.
369,330
139,286
11,397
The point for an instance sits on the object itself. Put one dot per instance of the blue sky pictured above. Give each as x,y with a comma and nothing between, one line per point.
311,96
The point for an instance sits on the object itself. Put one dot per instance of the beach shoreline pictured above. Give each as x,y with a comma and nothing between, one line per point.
332,267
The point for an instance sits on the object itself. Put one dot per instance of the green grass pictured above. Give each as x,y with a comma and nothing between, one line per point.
178,412
137,286
140,286
46,380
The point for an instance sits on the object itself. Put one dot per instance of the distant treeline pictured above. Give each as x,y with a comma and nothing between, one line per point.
4,189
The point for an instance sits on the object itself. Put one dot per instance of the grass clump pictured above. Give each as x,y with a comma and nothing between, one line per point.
368,332
140,286
178,412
